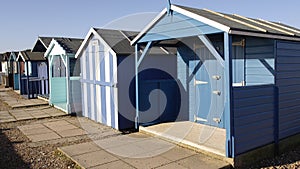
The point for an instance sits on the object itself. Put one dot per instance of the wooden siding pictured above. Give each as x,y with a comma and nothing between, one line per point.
287,80
58,90
253,113
75,94
258,52
99,99
177,26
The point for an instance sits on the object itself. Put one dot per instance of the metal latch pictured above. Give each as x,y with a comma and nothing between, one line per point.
217,120
216,77
217,92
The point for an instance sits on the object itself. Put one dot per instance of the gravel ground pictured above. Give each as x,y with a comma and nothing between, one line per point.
16,151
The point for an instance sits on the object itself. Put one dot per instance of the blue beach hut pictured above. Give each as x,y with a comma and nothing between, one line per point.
107,77
64,74
240,76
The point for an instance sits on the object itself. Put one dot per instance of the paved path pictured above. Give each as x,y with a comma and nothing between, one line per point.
137,151
29,114
7,97
112,149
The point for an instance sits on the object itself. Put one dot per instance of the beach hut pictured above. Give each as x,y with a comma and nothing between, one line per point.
1,68
240,75
107,76
33,78
64,74
5,70
13,70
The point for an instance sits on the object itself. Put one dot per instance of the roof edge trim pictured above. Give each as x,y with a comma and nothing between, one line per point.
263,35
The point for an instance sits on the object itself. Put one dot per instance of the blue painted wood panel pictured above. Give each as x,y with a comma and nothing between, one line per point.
287,80
259,63
177,26
58,90
253,110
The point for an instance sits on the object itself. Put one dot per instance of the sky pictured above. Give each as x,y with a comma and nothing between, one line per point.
21,22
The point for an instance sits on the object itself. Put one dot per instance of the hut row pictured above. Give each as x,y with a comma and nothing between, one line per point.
236,74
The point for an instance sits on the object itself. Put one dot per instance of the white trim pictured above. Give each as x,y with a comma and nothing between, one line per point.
149,26
263,35
43,43
186,13
87,39
52,46
84,43
201,18
20,54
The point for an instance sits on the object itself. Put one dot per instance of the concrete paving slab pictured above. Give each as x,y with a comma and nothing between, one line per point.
24,118
173,165
147,163
116,141
36,131
62,127
178,153
114,165
79,149
202,161
94,158
56,123
31,126
207,139
7,120
126,151
40,115
43,137
71,132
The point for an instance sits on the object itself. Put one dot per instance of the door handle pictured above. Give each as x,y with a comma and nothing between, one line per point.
198,82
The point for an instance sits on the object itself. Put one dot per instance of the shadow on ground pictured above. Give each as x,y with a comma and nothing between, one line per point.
9,158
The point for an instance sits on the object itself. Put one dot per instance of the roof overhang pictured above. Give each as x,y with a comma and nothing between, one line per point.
263,35
54,49
183,12
91,32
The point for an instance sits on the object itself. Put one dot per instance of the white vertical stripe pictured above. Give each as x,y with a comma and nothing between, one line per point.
116,107
108,105
98,104
85,114
107,66
92,95
115,90
85,106
107,89
97,64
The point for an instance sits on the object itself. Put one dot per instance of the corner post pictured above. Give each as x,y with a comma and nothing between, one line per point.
229,123
68,107
136,88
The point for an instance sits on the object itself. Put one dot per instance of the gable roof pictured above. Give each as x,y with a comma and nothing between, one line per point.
118,40
42,44
231,23
28,55
5,56
70,45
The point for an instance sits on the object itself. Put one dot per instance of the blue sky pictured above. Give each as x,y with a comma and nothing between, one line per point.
23,21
